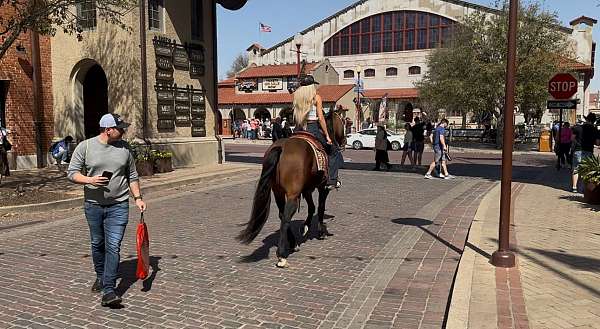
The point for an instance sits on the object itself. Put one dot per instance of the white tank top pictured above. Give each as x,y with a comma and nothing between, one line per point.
312,114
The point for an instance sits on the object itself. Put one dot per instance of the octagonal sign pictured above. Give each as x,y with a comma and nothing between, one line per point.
562,86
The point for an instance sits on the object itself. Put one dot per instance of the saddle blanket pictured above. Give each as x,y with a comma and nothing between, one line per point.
317,147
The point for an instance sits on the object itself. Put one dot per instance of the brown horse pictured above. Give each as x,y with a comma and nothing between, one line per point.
290,171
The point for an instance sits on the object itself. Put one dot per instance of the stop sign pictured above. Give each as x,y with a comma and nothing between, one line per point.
562,86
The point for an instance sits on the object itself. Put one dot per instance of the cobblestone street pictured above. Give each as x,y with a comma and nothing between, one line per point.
390,263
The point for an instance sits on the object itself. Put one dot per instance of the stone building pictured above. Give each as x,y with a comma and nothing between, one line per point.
82,80
388,42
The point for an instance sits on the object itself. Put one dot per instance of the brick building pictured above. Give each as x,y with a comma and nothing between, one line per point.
17,111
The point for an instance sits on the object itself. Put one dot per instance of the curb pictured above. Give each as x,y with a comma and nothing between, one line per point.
78,201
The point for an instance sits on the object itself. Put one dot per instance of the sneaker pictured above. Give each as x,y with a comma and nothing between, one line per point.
111,299
428,176
574,190
338,184
449,177
97,286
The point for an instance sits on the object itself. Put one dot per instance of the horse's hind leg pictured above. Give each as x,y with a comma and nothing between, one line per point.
283,250
323,233
311,211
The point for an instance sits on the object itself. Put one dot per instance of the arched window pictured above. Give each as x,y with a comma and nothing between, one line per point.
369,73
414,70
391,71
391,31
348,74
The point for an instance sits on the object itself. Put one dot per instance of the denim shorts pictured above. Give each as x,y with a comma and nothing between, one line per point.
578,156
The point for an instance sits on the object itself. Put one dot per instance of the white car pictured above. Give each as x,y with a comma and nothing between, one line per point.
366,139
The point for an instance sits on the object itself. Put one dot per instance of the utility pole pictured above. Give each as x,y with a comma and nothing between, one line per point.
144,69
503,257
38,102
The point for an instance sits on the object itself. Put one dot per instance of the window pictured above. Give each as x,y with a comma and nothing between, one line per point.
155,15
348,74
86,14
197,30
391,31
414,70
369,73
391,71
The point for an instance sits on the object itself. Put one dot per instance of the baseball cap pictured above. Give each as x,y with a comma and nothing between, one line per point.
308,80
113,120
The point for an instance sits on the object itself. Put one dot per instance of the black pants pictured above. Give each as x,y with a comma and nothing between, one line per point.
381,156
564,154
4,162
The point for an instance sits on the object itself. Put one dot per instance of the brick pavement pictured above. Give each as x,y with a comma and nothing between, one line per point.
557,278
392,246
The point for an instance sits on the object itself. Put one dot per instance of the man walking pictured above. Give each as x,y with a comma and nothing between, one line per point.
418,134
438,141
111,176
584,137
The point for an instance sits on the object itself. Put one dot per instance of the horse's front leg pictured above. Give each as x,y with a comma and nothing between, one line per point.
323,233
311,211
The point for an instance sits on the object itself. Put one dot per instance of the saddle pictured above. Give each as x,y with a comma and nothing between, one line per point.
317,147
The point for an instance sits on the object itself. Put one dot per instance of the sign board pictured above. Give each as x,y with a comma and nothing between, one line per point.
180,58
164,75
198,111
247,85
165,124
197,97
272,84
164,63
165,111
567,105
182,96
196,53
196,70
562,86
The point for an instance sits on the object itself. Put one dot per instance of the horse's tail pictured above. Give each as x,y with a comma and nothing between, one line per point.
262,197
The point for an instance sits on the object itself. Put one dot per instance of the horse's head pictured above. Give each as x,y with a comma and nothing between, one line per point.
336,128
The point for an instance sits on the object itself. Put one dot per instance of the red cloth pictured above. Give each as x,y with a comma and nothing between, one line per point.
143,251
565,135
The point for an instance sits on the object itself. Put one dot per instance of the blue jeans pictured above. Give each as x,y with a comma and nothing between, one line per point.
107,225
62,156
335,157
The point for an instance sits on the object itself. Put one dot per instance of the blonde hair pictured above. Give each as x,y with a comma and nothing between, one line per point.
304,98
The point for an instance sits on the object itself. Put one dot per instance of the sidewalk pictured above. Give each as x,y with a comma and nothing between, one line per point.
556,283
49,189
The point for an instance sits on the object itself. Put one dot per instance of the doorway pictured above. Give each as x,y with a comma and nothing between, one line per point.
95,99
3,96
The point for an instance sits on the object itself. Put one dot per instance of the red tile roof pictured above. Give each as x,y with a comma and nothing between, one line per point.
392,93
567,63
329,93
264,71
227,83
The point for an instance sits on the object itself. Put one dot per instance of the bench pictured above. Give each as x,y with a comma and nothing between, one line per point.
466,134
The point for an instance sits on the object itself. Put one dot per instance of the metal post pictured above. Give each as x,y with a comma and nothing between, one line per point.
37,95
503,257
298,61
358,107
144,68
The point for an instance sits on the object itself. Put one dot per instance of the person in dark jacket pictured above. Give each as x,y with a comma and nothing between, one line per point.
381,146
276,131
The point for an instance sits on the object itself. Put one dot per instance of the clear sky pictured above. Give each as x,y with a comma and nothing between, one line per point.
237,30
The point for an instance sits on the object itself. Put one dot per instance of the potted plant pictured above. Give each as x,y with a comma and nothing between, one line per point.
143,159
589,171
163,161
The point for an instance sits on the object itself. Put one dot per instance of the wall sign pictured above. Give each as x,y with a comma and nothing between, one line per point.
196,70
162,46
182,95
180,58
198,111
198,97
182,120
248,85
198,131
164,75
164,63
165,125
272,84
165,111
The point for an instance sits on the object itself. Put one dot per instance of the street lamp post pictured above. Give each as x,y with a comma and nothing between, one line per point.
298,43
503,257
358,69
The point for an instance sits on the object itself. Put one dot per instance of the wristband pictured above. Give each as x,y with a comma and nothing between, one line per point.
135,198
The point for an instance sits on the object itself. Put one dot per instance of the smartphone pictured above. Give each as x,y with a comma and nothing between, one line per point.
107,174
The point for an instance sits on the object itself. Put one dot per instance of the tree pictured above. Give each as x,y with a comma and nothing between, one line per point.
239,63
469,74
48,16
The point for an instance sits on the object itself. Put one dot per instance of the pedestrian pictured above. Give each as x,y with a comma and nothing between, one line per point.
381,149
367,124
277,131
408,147
60,151
110,177
5,146
584,137
253,129
248,129
418,135
287,129
438,141
348,126
564,149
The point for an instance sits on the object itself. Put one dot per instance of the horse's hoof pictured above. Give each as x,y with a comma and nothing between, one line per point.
305,230
282,263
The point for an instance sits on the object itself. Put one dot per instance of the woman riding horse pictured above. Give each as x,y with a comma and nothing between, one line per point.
308,114
290,170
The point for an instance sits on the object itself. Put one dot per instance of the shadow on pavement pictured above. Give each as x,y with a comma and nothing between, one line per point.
421,224
579,199
127,271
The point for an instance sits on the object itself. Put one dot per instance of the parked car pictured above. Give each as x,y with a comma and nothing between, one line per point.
366,139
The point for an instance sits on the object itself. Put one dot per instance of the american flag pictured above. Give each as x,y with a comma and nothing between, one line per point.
264,28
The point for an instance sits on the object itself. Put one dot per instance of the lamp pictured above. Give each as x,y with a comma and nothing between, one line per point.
358,69
298,42
298,39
